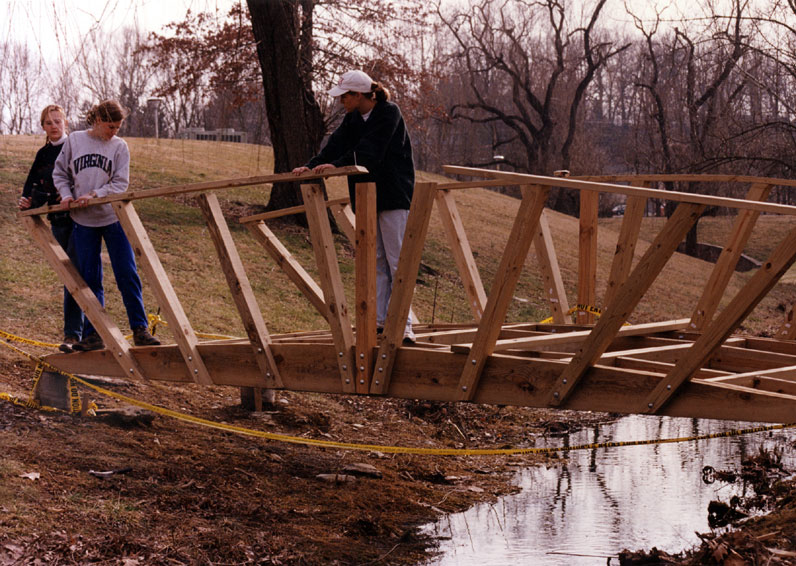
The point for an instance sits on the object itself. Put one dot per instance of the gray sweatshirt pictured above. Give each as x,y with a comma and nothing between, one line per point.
88,164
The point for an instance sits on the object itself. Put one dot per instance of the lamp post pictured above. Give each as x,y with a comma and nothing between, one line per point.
154,103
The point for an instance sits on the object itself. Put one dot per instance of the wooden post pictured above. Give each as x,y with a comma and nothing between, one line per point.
503,286
241,290
555,294
365,259
587,259
113,338
627,297
403,286
284,259
728,259
625,246
164,292
726,322
331,283
462,253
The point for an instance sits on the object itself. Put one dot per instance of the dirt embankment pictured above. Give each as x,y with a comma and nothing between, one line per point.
192,495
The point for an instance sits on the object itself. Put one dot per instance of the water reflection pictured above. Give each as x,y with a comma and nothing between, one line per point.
595,503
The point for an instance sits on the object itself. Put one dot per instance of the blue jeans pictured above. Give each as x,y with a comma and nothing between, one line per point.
88,244
73,316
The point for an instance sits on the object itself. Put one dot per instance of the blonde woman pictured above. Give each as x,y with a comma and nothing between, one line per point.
40,190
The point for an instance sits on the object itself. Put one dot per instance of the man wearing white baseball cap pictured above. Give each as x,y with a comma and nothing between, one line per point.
373,134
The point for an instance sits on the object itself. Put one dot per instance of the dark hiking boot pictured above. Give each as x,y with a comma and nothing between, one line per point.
142,337
67,346
89,343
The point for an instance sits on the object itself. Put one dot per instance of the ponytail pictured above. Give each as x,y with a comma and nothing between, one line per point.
381,93
106,111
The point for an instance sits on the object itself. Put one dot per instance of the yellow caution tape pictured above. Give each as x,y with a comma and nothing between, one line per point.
155,319
9,336
597,311
394,449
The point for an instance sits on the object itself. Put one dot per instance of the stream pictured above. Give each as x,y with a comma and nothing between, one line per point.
592,504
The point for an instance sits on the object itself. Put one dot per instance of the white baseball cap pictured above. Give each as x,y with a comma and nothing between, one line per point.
352,81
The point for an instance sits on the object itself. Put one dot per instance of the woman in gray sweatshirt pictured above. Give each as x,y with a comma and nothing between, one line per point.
94,163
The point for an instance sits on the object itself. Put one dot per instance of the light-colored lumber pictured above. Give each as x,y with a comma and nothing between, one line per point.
462,253
345,218
331,283
282,212
241,291
587,254
115,343
160,284
292,268
365,286
403,284
625,246
725,265
553,284
509,178
628,296
433,375
726,322
687,177
205,186
505,282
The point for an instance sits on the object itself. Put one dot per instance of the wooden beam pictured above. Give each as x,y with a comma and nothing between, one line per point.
728,259
300,209
628,296
112,337
726,322
587,254
159,282
434,376
577,337
462,253
345,219
403,286
130,195
687,177
553,284
365,287
331,283
625,246
241,290
503,285
570,183
292,268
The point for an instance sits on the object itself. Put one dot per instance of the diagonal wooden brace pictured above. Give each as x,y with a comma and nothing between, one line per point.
627,297
726,322
159,281
508,274
111,335
241,289
403,285
336,307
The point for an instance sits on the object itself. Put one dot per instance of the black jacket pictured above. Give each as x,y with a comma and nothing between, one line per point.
40,181
381,145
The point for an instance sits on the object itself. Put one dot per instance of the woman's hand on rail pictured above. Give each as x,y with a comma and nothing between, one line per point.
300,170
322,167
82,200
24,203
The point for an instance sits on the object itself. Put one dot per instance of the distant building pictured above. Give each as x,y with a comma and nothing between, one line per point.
224,134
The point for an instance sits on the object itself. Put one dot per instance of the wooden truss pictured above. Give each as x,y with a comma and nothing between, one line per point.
691,367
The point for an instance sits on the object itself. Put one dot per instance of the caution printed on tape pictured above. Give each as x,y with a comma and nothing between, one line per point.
385,448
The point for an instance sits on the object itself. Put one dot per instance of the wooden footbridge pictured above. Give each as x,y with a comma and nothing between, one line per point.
693,366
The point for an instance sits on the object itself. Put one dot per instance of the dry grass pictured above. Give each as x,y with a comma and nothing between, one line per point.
30,292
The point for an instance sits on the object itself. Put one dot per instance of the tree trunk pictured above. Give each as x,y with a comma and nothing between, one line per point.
283,32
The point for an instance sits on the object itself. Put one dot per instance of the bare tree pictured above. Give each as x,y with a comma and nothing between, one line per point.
18,88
